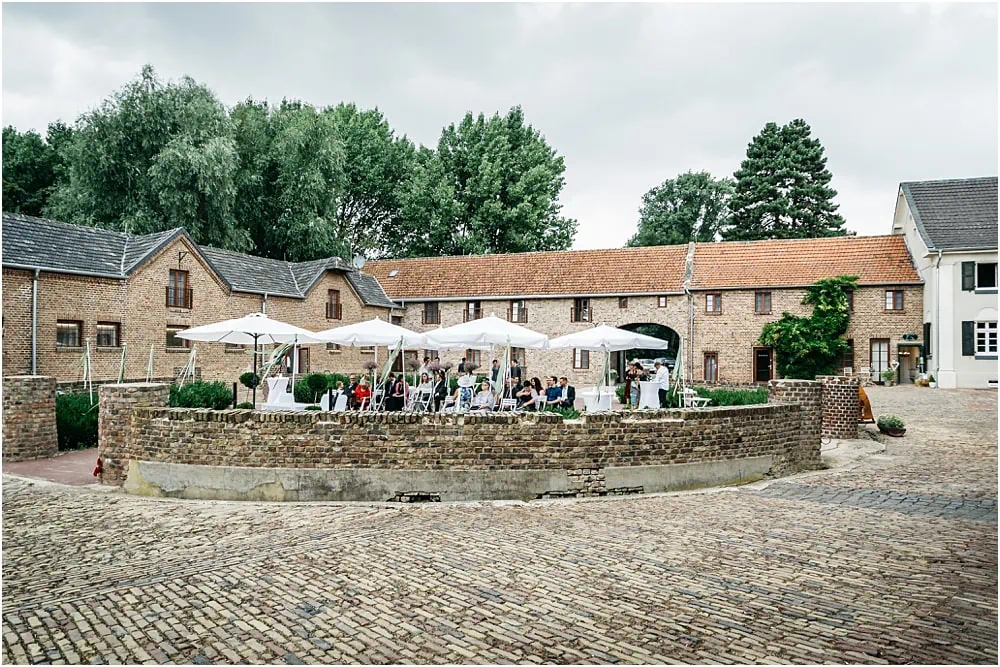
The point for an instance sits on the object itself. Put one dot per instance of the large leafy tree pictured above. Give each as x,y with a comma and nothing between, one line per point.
32,166
492,186
783,188
154,156
691,207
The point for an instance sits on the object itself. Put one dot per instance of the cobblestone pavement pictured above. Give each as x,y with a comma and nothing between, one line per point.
804,570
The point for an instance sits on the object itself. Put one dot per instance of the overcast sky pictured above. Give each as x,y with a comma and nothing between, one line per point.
628,94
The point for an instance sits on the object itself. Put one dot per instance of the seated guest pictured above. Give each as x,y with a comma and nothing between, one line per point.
362,394
425,381
352,384
526,397
552,390
463,395
510,389
484,399
567,394
397,394
440,390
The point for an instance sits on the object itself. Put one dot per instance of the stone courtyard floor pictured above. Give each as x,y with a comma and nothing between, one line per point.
892,559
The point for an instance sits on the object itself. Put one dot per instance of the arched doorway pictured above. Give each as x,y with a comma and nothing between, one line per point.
663,332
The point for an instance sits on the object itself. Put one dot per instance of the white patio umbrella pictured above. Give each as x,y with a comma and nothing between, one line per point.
486,332
373,333
252,329
603,338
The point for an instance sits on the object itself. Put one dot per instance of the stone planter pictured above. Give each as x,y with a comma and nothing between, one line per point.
894,432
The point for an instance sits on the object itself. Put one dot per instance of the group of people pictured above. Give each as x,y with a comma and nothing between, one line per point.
636,374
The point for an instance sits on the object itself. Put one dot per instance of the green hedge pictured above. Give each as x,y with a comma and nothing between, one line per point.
199,394
310,388
723,396
76,421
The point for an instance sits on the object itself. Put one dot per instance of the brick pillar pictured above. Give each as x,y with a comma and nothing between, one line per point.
114,426
29,417
808,394
841,406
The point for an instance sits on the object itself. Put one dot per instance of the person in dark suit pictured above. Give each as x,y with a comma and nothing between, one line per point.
567,393
352,401
461,365
440,390
515,370
496,370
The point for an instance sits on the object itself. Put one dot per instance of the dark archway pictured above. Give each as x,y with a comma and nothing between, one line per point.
663,332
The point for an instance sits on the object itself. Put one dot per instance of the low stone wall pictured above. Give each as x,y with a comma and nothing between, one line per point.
841,406
808,395
243,454
29,417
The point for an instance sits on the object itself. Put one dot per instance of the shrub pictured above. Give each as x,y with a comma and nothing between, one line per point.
199,394
311,387
930,378
733,396
567,413
890,421
249,380
620,393
888,375
245,405
76,421
312,407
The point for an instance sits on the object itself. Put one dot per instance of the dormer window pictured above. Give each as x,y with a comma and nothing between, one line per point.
394,273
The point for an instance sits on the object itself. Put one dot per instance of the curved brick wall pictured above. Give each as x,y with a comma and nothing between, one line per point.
841,406
365,456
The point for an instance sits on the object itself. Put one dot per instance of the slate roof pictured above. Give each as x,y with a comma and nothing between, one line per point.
31,242
799,262
570,272
954,214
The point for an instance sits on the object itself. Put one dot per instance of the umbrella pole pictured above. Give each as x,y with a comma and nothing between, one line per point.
255,371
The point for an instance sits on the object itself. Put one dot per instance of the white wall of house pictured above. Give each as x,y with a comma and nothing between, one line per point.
947,305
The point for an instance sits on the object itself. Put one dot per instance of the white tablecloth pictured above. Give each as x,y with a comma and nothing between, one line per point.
649,395
591,402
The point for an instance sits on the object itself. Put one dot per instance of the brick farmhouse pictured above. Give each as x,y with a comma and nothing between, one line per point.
65,284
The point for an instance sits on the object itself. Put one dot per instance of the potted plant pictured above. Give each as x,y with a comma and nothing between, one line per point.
888,376
891,425
931,382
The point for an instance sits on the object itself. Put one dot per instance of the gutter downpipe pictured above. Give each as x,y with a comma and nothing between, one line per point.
34,322
937,318
688,277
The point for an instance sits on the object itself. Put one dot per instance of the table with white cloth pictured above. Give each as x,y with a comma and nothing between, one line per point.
591,402
649,395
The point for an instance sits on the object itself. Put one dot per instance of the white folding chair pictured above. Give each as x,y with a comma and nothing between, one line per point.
340,405
508,404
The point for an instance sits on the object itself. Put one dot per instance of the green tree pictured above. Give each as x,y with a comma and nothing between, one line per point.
691,207
783,188
32,166
809,346
492,186
152,157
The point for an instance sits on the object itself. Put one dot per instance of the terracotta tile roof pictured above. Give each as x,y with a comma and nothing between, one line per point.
658,269
785,263
571,272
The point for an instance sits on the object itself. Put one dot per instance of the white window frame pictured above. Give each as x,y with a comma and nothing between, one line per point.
987,330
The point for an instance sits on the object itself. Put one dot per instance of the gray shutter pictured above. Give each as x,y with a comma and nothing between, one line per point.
968,339
968,276
927,339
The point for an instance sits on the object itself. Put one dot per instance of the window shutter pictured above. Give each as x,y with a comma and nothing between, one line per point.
968,276
968,339
927,339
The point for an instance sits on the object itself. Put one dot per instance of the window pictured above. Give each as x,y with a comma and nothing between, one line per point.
986,338
179,290
233,347
367,349
762,303
432,313
661,301
580,311
473,310
69,333
623,302
474,357
850,300
847,356
986,275
173,341
518,311
713,303
332,347
581,358
518,353
394,273
894,299
333,310
108,334
711,367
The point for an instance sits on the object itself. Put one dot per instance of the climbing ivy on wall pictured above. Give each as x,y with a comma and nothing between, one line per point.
809,346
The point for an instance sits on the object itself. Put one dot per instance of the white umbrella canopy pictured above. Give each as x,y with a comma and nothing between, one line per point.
252,329
487,331
375,331
609,339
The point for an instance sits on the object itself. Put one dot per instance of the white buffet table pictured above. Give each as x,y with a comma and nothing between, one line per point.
649,395
591,403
